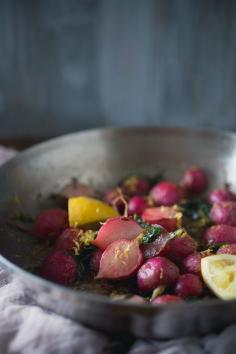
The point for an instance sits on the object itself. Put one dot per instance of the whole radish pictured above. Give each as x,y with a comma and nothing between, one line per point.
188,286
156,271
195,180
224,213
135,185
166,193
59,267
219,195
227,249
94,261
179,247
137,205
192,264
220,234
66,240
50,223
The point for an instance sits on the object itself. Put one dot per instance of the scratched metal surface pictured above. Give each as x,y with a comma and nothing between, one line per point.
69,65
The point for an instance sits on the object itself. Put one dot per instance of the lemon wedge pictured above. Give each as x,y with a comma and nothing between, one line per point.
219,274
83,210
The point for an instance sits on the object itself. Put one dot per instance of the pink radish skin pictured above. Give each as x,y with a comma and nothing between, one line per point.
195,180
66,240
142,187
166,193
136,205
227,249
221,195
137,187
115,229
192,264
167,299
156,271
179,248
188,285
120,260
94,261
224,213
164,216
219,234
60,268
153,249
50,223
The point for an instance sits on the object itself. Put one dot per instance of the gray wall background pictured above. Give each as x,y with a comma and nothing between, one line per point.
70,65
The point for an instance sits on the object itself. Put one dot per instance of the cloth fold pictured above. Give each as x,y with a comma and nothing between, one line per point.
28,329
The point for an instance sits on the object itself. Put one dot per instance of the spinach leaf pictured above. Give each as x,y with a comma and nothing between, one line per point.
82,260
22,217
86,253
140,221
151,233
195,209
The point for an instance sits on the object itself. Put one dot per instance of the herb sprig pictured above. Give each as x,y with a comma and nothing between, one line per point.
82,260
150,232
195,209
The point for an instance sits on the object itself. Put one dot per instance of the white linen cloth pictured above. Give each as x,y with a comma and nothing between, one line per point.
28,329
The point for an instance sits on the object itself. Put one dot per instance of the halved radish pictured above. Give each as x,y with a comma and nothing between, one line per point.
154,248
120,260
167,217
115,229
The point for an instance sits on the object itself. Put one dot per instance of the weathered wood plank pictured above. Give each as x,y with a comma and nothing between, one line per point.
50,69
67,65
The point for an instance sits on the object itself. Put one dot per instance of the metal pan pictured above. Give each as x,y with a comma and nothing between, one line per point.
103,157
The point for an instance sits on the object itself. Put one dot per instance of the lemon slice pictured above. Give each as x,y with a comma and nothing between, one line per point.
219,274
83,210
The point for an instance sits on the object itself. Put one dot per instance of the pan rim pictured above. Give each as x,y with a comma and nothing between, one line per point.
102,299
